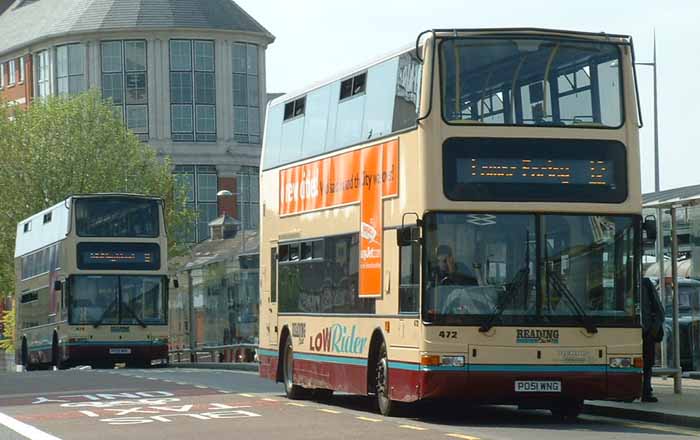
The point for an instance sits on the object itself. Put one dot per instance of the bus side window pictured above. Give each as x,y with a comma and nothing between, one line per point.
409,275
273,274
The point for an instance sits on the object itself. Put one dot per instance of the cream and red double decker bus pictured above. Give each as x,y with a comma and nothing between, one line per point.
92,284
459,219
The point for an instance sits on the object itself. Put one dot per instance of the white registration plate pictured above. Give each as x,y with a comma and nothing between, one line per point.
538,386
119,351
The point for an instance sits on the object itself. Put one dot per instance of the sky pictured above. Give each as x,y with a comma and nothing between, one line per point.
316,39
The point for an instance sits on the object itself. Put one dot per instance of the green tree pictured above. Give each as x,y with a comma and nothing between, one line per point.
7,342
70,145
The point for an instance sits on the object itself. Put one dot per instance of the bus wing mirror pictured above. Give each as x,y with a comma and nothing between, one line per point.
56,285
403,236
649,229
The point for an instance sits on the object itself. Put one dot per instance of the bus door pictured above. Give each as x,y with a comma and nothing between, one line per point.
271,295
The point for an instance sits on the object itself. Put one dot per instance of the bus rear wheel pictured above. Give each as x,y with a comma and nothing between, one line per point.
386,406
292,391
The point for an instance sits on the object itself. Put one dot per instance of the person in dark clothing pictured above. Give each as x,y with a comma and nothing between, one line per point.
446,272
652,332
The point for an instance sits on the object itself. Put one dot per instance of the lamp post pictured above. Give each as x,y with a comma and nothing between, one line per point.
660,237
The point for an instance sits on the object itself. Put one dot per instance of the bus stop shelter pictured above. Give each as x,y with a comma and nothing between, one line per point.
671,206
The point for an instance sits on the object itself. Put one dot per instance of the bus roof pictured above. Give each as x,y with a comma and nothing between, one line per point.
39,233
442,33
343,74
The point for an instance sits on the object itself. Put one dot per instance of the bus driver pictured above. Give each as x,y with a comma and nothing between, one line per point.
447,273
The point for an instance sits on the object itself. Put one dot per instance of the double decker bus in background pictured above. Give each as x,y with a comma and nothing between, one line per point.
506,164
92,284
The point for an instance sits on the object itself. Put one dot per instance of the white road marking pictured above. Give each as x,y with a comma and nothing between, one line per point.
201,386
295,404
267,399
329,411
463,436
245,395
415,428
368,419
28,431
89,413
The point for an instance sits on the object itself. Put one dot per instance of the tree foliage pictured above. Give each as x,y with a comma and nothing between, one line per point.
7,342
72,145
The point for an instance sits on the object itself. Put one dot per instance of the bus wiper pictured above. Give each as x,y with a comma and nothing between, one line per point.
106,312
131,312
519,280
563,290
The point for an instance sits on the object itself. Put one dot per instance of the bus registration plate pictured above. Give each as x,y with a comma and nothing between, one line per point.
538,386
119,351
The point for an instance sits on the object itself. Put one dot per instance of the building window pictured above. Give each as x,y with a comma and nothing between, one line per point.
2,75
246,94
124,82
42,73
12,71
192,91
21,69
70,69
201,185
248,183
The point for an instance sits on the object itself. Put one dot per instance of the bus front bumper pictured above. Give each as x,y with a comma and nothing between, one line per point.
509,385
115,352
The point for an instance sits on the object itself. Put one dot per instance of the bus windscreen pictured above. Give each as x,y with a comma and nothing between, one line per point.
116,217
531,81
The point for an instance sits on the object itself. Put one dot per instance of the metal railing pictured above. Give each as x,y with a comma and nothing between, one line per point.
215,353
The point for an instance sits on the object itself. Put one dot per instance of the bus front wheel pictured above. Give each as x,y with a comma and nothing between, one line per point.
567,411
386,406
292,391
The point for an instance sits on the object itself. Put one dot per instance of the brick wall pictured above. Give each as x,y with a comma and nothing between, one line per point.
22,91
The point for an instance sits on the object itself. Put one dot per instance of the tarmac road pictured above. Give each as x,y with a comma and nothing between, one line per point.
218,404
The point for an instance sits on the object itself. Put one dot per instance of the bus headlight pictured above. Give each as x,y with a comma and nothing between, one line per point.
620,362
452,361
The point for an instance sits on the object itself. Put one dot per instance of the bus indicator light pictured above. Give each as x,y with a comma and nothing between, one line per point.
428,360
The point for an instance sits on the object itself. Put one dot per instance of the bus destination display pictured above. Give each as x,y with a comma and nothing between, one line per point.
535,171
124,256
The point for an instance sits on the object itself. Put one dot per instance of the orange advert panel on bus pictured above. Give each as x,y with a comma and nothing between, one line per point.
362,176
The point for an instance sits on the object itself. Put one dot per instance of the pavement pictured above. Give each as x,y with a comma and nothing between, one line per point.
675,409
